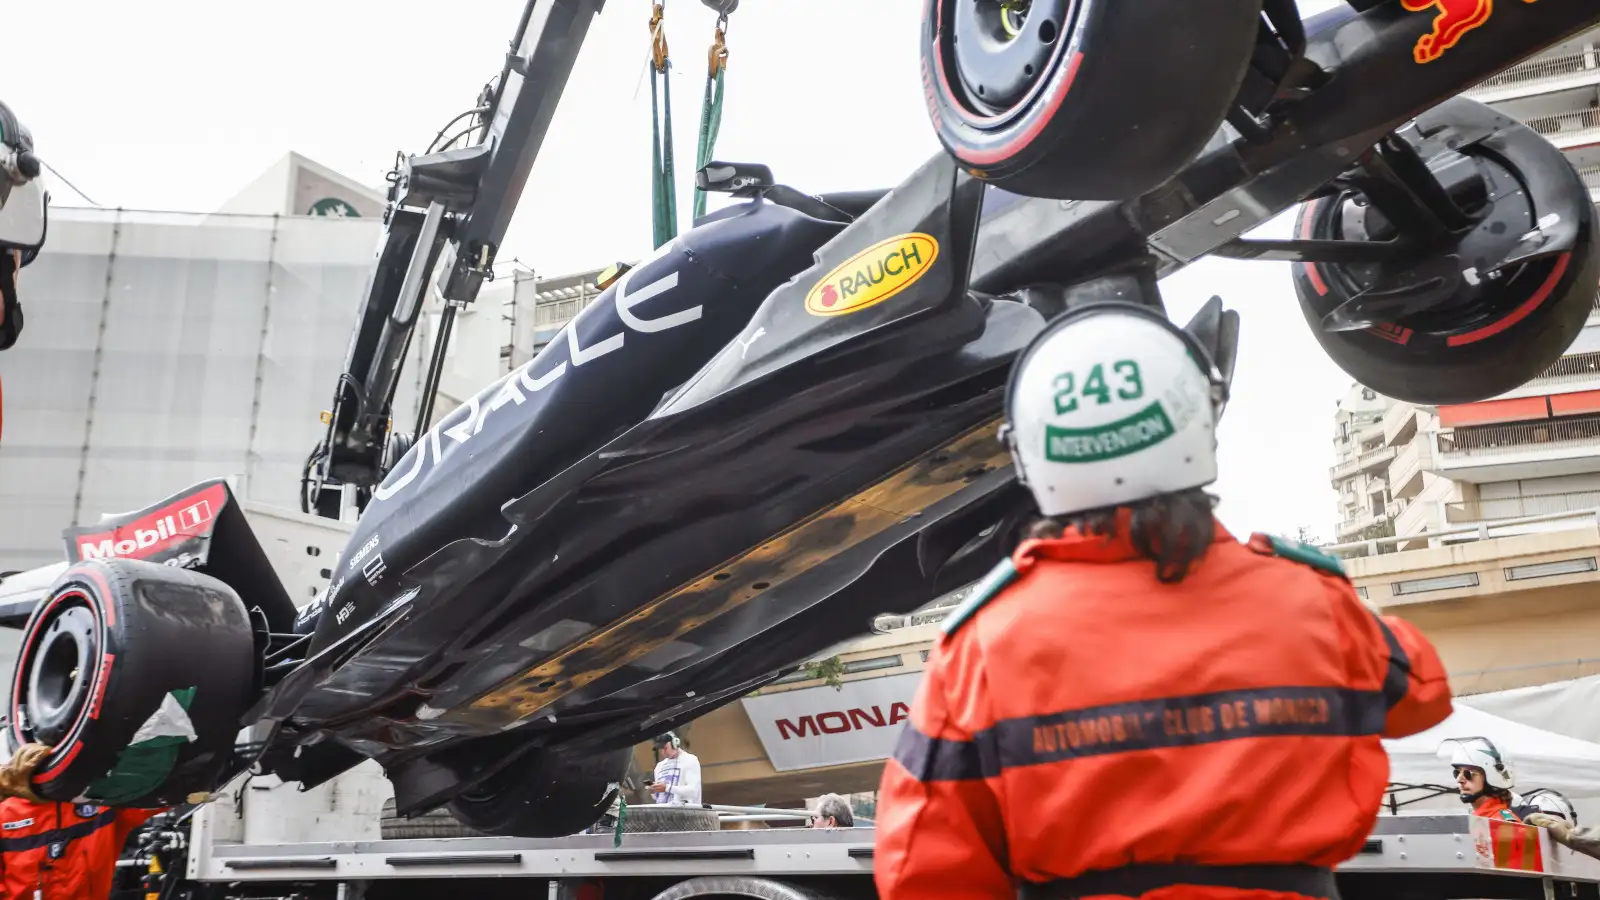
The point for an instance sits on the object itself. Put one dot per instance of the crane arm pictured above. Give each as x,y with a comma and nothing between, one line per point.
450,204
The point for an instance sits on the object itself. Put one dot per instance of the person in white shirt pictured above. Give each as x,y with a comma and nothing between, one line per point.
677,773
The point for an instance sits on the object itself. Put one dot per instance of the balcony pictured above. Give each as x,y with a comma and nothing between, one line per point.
1373,459
1399,424
1518,507
1417,517
1569,374
1405,473
1480,453
1351,529
559,313
1591,177
1539,76
1569,129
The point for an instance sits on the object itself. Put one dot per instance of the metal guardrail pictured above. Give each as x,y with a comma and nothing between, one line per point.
1481,531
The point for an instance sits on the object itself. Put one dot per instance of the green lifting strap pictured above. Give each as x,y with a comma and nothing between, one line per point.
664,200
663,196
711,108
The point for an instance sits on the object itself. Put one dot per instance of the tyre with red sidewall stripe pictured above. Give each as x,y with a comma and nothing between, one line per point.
1495,335
110,642
1082,99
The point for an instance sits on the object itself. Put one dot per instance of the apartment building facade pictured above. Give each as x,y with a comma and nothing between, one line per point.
1402,469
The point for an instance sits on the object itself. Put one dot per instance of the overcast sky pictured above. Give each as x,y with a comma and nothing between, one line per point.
177,104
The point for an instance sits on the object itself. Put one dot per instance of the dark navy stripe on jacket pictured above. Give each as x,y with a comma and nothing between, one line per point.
1147,725
70,833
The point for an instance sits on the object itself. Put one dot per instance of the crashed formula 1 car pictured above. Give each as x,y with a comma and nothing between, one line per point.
784,422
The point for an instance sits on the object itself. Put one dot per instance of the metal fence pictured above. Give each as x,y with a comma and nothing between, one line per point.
1565,123
1489,440
1568,370
1538,70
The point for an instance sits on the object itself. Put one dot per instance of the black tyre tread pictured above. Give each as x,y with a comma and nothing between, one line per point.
436,823
168,629
746,886
656,819
1490,367
545,795
1152,89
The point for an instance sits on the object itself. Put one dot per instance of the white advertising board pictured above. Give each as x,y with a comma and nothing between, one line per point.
824,726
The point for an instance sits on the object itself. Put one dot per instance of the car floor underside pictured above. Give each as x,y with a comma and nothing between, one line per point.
754,442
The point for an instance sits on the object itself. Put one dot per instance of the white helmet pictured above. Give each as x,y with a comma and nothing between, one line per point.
1480,753
1112,404
1552,803
23,214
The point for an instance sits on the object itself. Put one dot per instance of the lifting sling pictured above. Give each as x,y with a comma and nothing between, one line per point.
664,199
711,107
663,192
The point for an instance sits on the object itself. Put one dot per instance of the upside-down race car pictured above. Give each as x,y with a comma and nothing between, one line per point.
784,422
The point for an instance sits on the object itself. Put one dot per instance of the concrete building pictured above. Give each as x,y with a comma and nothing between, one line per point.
1401,469
166,348
297,186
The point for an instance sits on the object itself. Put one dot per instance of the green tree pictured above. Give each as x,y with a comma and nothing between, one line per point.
828,671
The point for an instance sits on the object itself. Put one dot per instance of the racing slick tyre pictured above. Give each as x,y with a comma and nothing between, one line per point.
543,795
435,824
1082,99
656,819
1501,325
136,674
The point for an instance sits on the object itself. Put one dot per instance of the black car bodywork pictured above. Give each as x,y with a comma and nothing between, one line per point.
777,427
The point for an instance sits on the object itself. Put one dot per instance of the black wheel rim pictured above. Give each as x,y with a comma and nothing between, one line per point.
1003,50
58,687
1510,214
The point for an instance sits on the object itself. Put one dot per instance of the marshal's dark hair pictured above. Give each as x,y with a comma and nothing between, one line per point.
1175,530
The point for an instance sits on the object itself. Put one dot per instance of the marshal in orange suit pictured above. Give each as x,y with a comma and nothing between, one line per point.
1136,704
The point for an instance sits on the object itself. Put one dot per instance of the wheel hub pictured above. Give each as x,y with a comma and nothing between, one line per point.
58,687
1461,281
1003,48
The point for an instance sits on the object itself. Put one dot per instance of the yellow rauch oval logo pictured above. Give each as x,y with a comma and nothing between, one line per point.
873,275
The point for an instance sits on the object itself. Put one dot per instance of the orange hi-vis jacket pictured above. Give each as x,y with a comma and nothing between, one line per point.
1096,729
62,851
1494,808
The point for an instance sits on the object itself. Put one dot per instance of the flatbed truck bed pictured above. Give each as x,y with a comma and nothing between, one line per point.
1414,856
